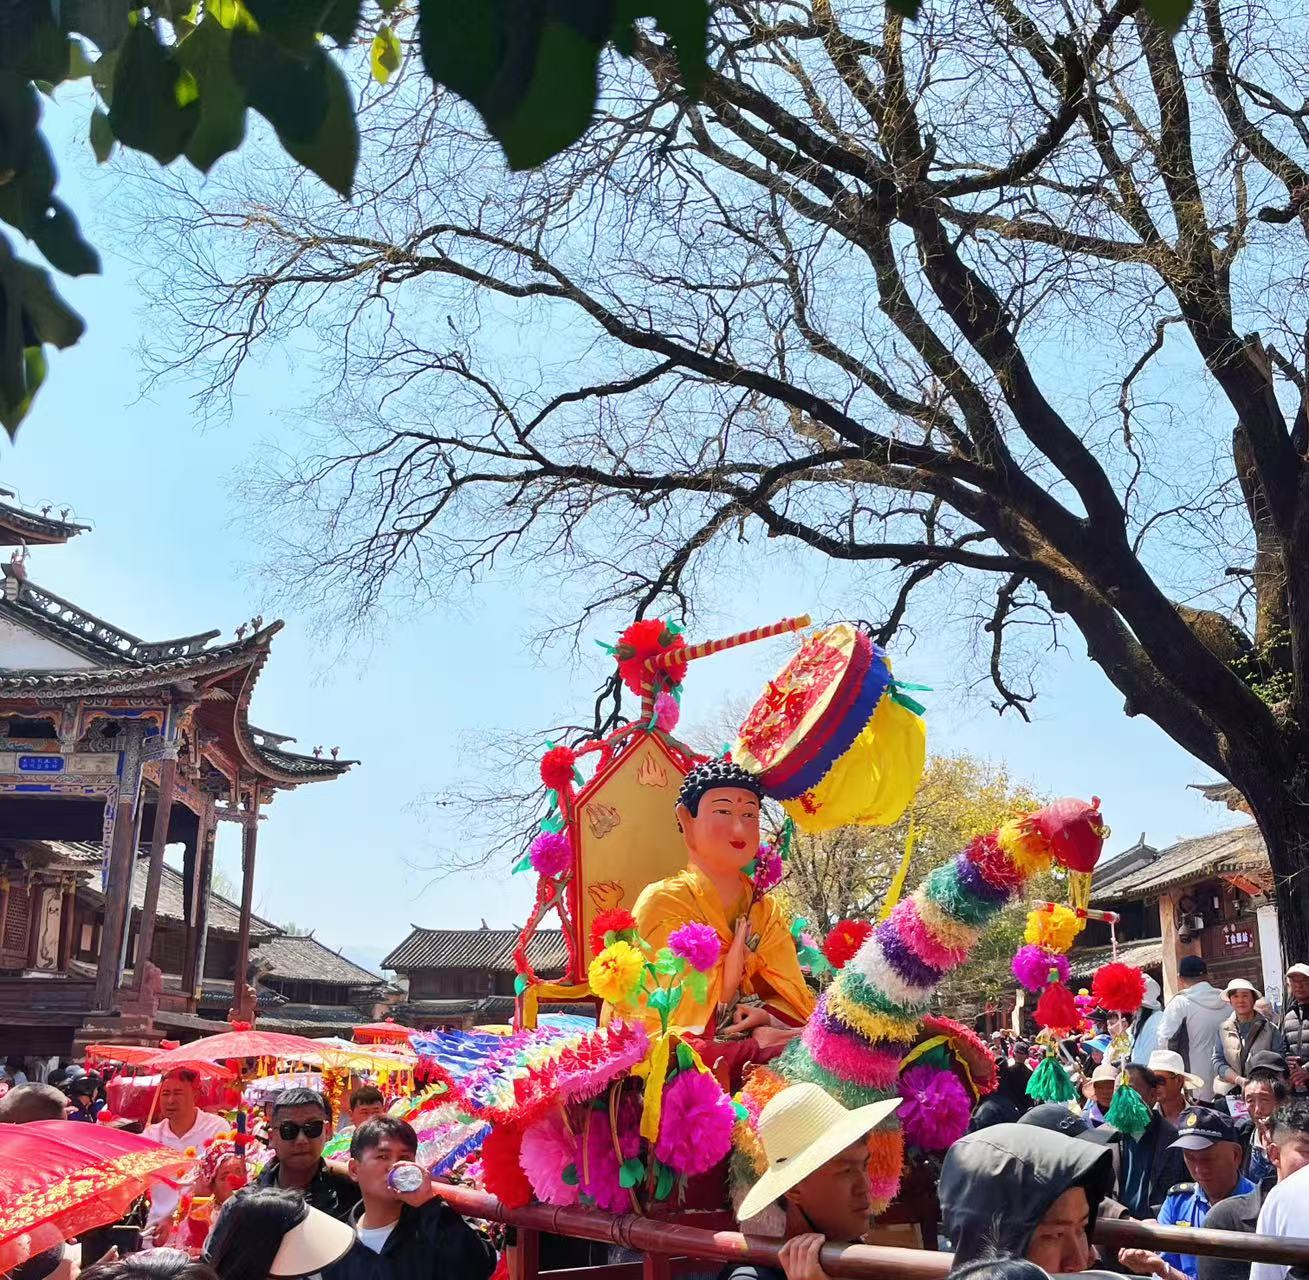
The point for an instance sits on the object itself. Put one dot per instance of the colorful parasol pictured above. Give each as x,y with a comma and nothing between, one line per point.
238,1044
386,1032
61,1177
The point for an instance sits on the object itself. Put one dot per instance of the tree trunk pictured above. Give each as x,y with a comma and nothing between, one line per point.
1282,812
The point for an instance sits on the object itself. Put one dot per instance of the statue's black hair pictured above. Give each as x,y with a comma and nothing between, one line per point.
712,775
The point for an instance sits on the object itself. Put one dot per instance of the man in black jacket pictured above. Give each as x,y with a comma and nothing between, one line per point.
297,1134
1295,1026
408,1235
1145,1168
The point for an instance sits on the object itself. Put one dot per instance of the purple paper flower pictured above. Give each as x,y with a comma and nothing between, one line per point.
1032,964
551,853
695,1129
697,944
935,1110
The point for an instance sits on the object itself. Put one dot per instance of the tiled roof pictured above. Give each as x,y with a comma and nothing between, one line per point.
475,949
18,525
224,915
1145,953
422,1013
308,960
312,1018
71,853
1239,849
216,991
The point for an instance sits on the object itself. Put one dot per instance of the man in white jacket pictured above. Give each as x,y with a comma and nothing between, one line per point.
1191,1021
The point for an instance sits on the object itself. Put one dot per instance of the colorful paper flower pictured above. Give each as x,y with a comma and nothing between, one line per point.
601,1164
1054,929
643,640
697,944
844,941
1118,988
550,1149
616,972
557,767
667,712
1032,964
551,854
768,869
615,921
1056,1010
695,1128
936,1107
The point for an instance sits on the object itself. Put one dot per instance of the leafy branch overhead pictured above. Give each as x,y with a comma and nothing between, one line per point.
177,80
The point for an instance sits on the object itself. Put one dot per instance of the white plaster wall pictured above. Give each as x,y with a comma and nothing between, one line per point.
22,648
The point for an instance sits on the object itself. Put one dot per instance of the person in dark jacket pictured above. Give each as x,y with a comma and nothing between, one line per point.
1294,1026
1022,1191
297,1133
1148,1167
404,1235
1009,1099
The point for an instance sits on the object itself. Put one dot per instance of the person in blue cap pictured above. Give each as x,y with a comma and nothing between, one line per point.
1211,1145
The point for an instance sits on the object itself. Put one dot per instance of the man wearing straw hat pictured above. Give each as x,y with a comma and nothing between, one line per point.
817,1175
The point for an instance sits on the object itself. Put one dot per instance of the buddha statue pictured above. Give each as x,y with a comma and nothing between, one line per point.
757,998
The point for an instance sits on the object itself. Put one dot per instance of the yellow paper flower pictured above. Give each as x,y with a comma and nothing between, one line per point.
615,972
1027,848
1053,930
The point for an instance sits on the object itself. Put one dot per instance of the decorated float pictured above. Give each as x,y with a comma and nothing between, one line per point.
710,1000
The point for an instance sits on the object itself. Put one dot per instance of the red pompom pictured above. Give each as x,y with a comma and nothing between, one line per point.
502,1174
615,921
641,641
1056,1010
844,941
557,768
1118,988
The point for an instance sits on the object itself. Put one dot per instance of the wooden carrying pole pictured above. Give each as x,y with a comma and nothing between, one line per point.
855,1260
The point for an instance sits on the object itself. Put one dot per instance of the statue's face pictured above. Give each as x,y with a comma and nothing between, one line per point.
724,834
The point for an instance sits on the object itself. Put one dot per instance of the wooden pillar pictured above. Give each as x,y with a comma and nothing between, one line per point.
67,923
249,840
1174,948
158,842
35,897
118,889
193,970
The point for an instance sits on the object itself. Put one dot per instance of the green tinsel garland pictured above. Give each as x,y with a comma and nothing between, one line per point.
1127,1113
1050,1083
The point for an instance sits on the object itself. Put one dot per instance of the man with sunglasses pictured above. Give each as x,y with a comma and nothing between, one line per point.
297,1133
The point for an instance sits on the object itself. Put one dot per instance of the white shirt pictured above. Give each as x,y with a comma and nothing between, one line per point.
1285,1213
375,1238
163,1198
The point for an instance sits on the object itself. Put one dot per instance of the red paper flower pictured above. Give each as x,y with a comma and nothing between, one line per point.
1056,1010
502,1174
1075,830
642,641
993,864
616,921
557,768
845,939
1118,988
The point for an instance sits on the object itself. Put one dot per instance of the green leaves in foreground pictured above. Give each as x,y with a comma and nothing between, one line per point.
530,67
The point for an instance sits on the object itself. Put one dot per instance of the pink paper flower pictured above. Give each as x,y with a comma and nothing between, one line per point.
936,1108
548,1149
599,1170
667,712
551,853
695,1129
1032,964
697,944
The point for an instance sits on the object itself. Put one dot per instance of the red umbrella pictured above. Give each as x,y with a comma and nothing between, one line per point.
388,1032
235,1044
59,1178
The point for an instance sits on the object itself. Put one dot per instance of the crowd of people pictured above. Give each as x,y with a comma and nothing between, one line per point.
1226,1146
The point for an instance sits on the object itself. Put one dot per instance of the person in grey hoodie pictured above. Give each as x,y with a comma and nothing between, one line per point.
1191,1021
1021,1191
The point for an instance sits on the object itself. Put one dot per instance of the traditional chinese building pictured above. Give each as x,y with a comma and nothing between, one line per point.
465,977
1209,896
111,748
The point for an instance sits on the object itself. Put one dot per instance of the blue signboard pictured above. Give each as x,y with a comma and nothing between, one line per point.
41,764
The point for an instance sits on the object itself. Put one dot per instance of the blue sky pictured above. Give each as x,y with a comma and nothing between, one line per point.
171,554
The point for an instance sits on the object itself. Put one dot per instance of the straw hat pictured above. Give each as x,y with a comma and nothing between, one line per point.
312,1244
801,1129
1171,1061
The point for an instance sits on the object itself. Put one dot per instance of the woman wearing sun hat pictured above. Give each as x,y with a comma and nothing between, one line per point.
266,1233
1244,1032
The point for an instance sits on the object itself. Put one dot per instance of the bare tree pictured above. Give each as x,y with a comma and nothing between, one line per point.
1009,300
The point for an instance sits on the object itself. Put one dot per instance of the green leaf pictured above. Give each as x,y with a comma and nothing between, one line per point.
388,7
664,1182
523,864
1169,14
569,1176
631,1172
658,1000
102,76
684,1058
103,22
146,113
305,97
674,997
740,1110
666,964
295,24
46,56
102,136
553,822
385,54
48,317
520,984
697,984
58,236
207,55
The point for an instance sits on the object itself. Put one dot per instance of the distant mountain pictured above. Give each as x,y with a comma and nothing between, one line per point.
369,957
